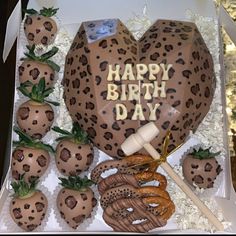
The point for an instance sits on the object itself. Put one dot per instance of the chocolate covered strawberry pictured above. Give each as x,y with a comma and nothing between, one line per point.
29,206
35,117
74,152
35,67
39,27
30,157
76,200
201,167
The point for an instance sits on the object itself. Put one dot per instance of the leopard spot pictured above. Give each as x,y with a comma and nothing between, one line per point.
104,126
48,26
31,218
72,101
98,80
31,227
128,132
195,89
42,161
34,73
208,167
108,147
89,105
78,156
194,166
171,90
65,154
17,213
176,103
28,20
86,90
84,196
70,202
183,36
78,219
165,125
189,102
115,126
91,132
26,206
39,206
23,112
75,83
186,73
196,55
218,169
180,61
50,115
94,202
207,92
30,36
83,59
146,47
121,51
44,40
89,159
26,168
103,65
168,47
114,41
171,73
134,50
154,56
198,179
18,155
103,44
108,135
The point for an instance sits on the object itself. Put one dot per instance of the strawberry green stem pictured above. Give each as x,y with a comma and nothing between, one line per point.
26,141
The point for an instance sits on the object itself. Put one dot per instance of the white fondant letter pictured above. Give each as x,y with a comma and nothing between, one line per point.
121,112
165,69
152,115
114,74
141,70
138,113
153,70
128,73
112,93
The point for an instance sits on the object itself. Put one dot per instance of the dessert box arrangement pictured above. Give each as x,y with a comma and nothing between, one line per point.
119,121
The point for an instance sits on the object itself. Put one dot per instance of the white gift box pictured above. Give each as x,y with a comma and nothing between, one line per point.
73,12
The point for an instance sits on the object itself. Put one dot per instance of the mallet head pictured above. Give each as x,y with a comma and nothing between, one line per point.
135,142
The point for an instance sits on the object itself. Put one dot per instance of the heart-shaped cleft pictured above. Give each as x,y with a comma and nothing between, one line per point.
113,84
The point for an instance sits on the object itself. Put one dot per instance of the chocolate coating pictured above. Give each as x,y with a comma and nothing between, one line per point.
189,90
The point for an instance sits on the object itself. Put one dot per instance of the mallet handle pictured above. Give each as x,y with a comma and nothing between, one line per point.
185,188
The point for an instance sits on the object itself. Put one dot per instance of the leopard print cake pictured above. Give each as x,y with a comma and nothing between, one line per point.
182,59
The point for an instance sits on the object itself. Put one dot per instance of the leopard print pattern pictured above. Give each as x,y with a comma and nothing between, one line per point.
189,90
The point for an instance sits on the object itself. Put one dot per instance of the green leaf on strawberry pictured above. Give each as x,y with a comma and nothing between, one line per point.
38,92
44,58
48,12
203,153
26,141
23,189
76,183
77,134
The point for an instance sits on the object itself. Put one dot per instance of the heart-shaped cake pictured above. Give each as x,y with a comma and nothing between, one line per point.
113,84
